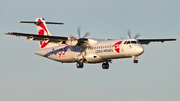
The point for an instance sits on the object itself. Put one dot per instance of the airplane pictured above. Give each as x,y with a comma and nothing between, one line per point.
84,50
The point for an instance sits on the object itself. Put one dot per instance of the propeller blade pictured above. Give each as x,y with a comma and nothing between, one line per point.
88,33
121,37
71,36
78,30
84,51
129,33
137,35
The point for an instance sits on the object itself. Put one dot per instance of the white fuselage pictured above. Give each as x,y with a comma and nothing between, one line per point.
100,51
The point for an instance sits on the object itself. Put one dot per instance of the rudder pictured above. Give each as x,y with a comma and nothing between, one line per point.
42,30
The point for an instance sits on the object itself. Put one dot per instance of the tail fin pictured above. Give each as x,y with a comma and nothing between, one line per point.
42,30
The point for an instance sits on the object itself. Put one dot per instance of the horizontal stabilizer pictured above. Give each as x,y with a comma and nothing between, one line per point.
39,22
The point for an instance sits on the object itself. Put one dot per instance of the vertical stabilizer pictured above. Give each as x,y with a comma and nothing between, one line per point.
42,30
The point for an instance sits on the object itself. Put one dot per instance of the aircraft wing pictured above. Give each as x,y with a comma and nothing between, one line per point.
59,39
147,41
53,39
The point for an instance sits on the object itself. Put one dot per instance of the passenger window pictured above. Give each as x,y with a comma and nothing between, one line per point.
133,42
125,42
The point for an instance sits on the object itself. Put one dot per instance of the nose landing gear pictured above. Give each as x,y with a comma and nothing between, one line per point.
135,61
105,65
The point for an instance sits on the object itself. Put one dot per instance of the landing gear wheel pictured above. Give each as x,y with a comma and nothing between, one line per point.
79,64
105,66
135,61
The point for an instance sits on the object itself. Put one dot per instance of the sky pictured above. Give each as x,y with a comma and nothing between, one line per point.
25,76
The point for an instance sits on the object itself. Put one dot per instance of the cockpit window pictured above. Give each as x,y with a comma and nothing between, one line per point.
138,42
133,42
128,42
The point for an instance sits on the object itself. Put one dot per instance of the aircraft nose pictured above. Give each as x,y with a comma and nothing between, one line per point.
140,50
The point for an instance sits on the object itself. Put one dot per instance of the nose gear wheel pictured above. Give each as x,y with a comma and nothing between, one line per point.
135,61
105,65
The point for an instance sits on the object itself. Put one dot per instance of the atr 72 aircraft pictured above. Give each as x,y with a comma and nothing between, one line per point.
84,50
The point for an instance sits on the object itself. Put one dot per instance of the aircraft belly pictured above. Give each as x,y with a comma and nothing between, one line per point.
111,56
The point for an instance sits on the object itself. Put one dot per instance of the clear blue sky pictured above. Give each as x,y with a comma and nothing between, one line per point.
25,76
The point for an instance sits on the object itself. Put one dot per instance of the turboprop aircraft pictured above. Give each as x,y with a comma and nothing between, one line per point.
84,50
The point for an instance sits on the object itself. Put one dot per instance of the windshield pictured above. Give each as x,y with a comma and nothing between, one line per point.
131,42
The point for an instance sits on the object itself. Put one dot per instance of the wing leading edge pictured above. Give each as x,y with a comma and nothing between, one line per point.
59,39
147,41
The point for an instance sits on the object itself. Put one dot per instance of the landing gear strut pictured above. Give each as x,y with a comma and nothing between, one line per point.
80,64
105,65
135,59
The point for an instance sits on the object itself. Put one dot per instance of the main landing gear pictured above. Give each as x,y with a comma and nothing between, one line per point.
80,64
105,65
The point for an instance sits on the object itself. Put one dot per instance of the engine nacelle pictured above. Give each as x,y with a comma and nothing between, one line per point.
30,38
71,42
93,58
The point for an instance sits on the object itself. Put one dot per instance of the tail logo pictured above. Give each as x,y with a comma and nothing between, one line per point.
117,46
42,44
42,32
62,51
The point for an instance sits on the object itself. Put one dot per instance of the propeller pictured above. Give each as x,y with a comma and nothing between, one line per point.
71,36
81,41
79,33
129,34
137,35
121,37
